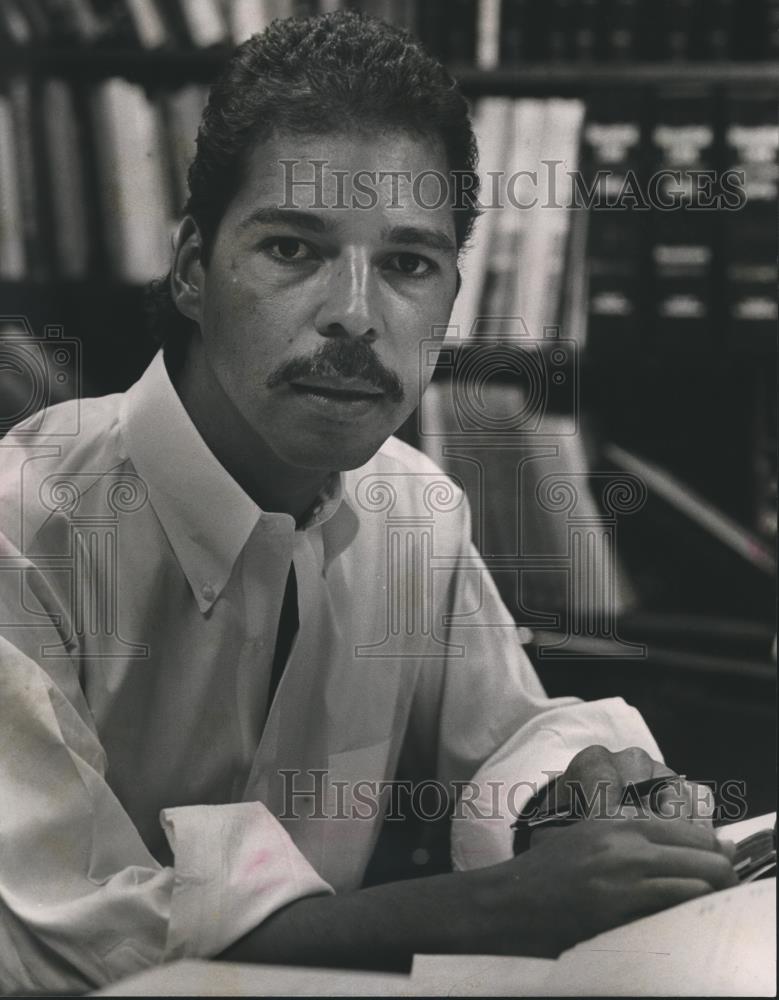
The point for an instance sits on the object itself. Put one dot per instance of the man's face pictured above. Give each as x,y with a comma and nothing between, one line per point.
312,316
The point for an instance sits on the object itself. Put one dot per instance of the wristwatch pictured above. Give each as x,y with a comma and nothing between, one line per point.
533,816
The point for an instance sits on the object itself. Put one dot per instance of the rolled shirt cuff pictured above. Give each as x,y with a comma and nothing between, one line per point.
539,752
235,865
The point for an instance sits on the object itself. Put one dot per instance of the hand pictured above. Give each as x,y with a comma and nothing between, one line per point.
596,779
579,880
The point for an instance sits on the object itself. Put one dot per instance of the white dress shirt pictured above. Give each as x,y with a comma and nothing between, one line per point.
146,786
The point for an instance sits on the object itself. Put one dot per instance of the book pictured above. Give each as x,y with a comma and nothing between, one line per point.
204,21
573,308
84,20
751,145
720,944
492,125
136,202
718,19
515,34
30,172
150,26
488,34
611,167
398,12
248,17
621,30
117,27
182,109
15,29
464,35
585,45
508,263
543,262
683,222
429,18
66,177
12,250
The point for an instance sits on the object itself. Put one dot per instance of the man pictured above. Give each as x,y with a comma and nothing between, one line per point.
216,635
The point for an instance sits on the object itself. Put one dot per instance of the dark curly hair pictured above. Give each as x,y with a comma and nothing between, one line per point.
315,76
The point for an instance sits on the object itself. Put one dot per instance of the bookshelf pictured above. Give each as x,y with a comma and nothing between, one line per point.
201,66
629,51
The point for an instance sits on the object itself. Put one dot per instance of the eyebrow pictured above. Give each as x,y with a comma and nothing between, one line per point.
434,239
285,216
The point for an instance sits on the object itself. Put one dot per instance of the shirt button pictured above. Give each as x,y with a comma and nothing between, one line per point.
208,592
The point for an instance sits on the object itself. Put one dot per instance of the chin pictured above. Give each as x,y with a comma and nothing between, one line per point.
328,457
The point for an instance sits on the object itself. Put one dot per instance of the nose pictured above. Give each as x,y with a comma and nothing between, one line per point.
351,305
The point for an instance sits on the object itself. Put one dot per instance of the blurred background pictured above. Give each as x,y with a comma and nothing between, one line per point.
618,336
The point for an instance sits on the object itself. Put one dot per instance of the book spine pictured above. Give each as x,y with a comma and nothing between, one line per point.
182,111
751,145
67,181
487,34
116,23
586,34
558,33
718,18
621,30
521,202
677,25
461,31
558,159
29,167
204,22
611,165
683,233
515,46
429,21
15,28
13,264
492,126
136,199
150,27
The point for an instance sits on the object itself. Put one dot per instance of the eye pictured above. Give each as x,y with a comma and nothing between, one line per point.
412,265
288,249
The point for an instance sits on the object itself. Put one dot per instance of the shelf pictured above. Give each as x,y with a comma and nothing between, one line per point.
566,80
201,65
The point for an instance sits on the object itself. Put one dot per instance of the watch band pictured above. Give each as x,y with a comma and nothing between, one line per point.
533,817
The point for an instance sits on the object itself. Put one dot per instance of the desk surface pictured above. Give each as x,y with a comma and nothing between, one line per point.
720,945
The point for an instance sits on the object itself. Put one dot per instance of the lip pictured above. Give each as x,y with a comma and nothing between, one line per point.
345,388
340,405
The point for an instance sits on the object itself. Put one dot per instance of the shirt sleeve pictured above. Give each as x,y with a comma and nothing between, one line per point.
82,901
499,737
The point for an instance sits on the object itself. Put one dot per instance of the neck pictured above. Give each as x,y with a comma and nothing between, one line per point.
271,483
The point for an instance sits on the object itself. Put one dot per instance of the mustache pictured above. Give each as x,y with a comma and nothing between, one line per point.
344,358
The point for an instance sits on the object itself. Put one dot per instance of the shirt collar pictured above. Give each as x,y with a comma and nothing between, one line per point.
206,516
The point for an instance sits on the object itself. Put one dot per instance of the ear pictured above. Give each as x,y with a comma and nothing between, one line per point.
187,273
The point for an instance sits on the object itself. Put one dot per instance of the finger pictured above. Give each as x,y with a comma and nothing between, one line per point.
635,764
655,894
676,832
591,782
661,770
692,863
636,767
686,800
